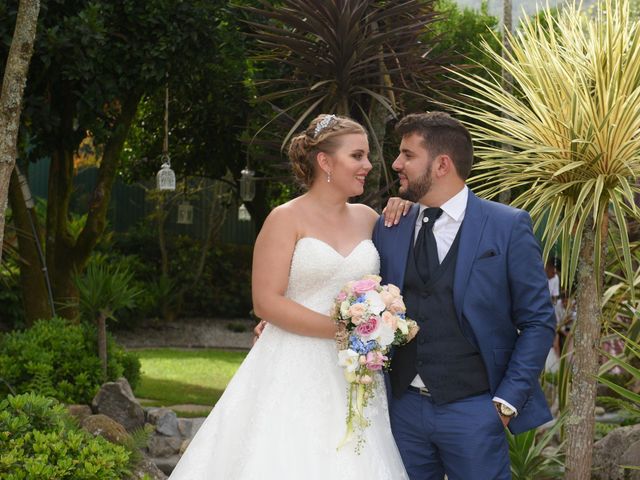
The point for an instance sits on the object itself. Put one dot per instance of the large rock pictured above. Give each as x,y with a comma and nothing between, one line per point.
147,469
167,464
620,447
79,412
160,446
105,427
116,400
188,427
631,456
165,420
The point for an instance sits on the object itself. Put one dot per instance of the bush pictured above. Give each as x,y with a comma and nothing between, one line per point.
38,439
12,314
58,359
224,290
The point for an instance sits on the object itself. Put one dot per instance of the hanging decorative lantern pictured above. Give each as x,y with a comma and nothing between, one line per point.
166,178
243,214
185,213
247,184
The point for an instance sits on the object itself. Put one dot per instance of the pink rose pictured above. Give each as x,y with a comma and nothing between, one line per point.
390,319
356,312
387,298
397,306
362,286
375,360
341,296
368,327
393,290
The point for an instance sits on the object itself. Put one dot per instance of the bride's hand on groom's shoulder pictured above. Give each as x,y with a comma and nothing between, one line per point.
395,209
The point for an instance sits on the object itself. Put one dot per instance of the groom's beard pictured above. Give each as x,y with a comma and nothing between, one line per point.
419,188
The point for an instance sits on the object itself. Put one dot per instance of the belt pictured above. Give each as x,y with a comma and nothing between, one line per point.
422,390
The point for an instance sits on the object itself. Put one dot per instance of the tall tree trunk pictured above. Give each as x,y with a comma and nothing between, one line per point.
66,255
586,340
15,79
32,281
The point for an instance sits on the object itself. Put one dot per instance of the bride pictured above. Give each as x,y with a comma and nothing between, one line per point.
284,412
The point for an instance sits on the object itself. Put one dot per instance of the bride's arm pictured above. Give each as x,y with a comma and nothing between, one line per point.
270,275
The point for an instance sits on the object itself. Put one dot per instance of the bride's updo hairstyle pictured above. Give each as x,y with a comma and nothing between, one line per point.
322,135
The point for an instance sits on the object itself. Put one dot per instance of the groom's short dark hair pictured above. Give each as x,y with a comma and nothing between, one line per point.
441,134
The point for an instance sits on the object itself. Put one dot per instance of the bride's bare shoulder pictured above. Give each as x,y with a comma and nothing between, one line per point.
365,212
284,218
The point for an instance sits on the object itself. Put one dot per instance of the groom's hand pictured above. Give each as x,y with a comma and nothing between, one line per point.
505,420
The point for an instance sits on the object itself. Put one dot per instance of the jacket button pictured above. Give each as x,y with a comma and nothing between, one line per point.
425,295
421,341
419,363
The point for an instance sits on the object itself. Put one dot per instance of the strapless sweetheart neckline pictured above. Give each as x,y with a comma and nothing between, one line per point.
361,242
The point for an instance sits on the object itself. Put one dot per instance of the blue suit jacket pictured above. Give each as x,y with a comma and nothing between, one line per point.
501,297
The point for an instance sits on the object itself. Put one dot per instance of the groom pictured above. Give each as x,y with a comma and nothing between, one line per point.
472,276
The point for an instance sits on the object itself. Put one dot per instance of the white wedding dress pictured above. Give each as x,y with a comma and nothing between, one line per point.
283,414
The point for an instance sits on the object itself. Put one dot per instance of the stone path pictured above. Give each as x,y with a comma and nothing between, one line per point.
190,333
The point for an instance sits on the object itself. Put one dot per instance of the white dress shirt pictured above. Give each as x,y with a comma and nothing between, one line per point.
445,230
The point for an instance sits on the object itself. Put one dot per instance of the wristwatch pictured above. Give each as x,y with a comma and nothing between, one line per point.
504,410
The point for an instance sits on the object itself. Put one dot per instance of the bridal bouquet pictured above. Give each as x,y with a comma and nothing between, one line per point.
370,319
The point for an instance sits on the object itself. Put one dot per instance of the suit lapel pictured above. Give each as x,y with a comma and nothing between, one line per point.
470,235
400,241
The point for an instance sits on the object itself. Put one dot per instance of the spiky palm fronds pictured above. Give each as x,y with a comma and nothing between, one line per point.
342,56
571,126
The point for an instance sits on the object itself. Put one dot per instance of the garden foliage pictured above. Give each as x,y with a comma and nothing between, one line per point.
38,439
58,359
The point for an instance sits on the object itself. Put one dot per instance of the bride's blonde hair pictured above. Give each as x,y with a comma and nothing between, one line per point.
322,135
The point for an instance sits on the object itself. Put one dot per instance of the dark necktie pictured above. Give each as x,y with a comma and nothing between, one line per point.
425,249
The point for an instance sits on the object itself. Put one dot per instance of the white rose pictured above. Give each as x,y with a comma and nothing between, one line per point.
349,360
344,309
385,334
374,300
403,326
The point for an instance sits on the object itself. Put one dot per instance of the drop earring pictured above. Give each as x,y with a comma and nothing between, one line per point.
328,177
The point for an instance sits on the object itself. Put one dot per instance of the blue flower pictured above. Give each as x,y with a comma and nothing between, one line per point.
356,344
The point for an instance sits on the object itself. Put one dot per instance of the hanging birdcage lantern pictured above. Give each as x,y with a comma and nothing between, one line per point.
247,184
243,213
185,213
166,178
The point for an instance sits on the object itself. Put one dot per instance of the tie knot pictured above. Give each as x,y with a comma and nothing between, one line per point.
430,215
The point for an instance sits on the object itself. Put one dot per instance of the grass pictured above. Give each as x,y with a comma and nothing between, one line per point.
174,376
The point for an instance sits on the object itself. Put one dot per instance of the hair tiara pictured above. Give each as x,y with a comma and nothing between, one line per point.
322,124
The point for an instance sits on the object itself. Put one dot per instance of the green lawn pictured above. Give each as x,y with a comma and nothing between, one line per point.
174,376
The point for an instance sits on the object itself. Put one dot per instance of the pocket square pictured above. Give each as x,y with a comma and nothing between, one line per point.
488,254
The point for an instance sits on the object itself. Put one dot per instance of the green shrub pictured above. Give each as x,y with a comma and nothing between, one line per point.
12,309
38,439
60,360
225,289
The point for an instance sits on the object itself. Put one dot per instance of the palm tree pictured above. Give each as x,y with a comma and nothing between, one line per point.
571,127
103,291
349,57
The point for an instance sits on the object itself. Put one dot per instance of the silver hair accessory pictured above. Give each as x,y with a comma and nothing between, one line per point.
322,124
